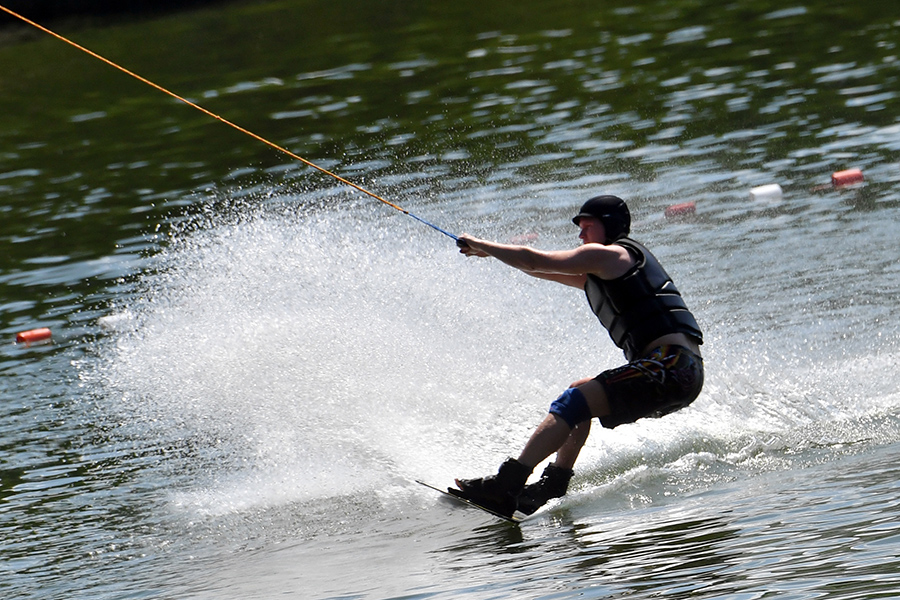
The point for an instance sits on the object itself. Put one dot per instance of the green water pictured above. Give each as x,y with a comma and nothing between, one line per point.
251,362
407,85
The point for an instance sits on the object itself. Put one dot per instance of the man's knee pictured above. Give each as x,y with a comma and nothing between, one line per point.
595,394
571,407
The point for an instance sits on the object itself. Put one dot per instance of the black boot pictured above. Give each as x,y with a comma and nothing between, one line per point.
553,483
496,492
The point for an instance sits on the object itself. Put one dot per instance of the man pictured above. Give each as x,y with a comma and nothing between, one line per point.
646,317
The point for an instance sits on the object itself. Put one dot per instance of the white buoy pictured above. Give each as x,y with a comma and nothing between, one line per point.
767,193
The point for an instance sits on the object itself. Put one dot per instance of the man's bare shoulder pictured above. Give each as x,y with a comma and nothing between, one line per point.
607,261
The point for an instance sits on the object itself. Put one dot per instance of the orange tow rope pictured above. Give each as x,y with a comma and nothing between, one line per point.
226,121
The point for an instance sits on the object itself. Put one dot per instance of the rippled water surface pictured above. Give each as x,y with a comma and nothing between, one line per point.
251,362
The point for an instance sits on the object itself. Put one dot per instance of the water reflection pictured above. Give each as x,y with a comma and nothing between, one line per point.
652,551
682,554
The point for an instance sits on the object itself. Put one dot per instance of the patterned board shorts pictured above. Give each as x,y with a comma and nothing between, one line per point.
667,379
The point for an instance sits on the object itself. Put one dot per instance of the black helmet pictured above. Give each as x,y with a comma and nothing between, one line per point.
611,211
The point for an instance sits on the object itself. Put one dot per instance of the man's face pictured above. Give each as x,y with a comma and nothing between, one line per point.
592,230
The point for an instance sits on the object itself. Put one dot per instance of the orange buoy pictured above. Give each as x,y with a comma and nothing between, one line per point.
524,239
847,177
680,210
33,335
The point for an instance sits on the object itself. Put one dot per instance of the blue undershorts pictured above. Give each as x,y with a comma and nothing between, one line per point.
571,407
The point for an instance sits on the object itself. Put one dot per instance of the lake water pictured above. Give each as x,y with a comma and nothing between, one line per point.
251,363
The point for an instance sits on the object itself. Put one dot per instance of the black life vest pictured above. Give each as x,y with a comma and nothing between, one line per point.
641,305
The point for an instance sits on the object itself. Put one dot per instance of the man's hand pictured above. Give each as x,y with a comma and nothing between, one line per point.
467,245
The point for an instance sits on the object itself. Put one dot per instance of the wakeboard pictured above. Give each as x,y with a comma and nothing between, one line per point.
516,518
